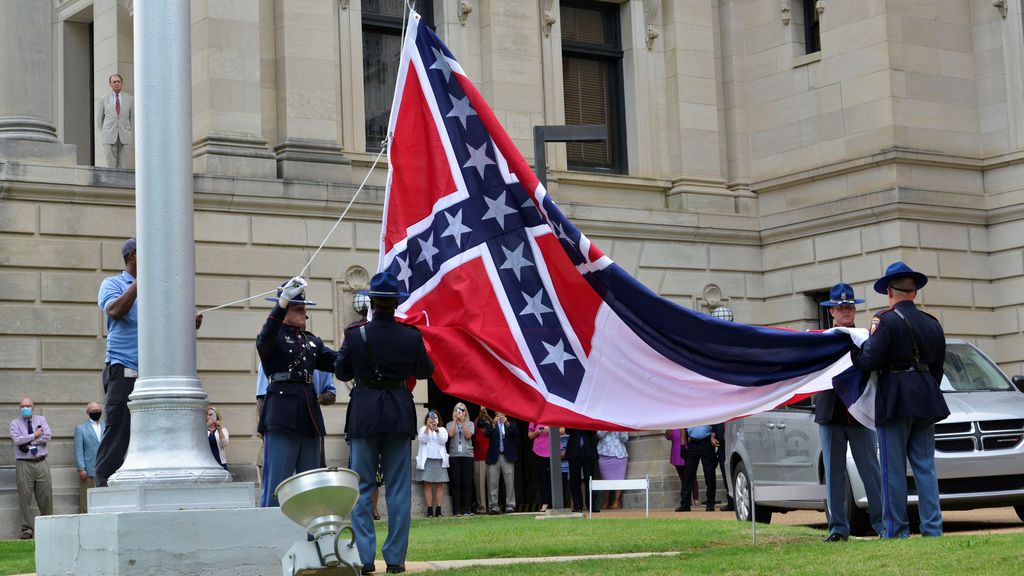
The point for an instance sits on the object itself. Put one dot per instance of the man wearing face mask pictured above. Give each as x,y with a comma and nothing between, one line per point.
87,442
291,421
31,436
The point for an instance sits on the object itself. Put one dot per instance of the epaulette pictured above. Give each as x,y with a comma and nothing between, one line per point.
356,324
928,315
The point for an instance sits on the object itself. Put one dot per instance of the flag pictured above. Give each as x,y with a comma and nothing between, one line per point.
522,313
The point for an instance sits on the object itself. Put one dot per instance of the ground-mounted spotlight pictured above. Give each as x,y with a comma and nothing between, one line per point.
319,501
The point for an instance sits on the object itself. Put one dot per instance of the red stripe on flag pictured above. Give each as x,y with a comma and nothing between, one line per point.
420,173
578,299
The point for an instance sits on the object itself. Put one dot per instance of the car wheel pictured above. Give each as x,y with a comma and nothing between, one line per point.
1020,511
741,493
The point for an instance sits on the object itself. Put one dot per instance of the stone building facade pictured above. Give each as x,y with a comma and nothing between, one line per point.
770,148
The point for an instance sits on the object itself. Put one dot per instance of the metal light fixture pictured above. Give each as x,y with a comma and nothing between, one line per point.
319,500
722,312
361,304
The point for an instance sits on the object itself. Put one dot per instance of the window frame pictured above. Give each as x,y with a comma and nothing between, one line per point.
615,56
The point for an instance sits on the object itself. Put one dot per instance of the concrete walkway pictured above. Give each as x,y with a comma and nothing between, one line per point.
449,564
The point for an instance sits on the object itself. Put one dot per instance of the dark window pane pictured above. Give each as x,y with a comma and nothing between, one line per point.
385,7
588,100
380,69
590,26
812,28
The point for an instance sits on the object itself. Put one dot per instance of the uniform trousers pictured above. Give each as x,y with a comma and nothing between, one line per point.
391,453
864,447
285,454
504,469
114,444
33,479
480,481
901,439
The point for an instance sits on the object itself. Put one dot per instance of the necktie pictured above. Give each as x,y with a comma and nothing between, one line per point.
501,437
117,103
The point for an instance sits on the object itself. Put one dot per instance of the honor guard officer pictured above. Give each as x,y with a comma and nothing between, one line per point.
291,421
837,428
385,358
907,348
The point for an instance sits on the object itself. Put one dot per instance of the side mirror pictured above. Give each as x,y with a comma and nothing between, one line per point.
1018,381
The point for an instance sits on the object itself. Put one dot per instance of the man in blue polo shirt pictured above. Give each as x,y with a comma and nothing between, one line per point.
699,443
117,300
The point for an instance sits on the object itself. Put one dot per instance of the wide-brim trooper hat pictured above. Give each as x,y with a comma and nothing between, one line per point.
841,295
384,285
300,300
899,270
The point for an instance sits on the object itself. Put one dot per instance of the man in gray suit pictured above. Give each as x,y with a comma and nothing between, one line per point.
87,441
115,119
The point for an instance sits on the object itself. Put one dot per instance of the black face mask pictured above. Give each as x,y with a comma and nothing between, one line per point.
95,416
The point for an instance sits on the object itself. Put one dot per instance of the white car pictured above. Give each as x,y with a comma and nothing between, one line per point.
979,449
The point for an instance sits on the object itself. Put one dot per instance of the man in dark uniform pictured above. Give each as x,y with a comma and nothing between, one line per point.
581,453
385,358
837,428
291,422
907,348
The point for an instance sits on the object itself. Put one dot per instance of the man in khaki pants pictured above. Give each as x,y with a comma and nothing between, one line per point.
115,120
31,436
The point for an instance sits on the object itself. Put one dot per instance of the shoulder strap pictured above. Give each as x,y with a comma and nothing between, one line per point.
369,352
913,338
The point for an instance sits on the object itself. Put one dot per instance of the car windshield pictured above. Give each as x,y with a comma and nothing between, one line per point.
968,370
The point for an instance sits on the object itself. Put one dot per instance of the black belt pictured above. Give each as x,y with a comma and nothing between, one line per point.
39,459
381,384
304,377
698,440
908,368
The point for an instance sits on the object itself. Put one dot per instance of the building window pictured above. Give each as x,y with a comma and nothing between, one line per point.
382,47
812,28
592,80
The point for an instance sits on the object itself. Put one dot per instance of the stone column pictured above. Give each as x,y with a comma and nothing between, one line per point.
227,118
27,132
168,433
308,92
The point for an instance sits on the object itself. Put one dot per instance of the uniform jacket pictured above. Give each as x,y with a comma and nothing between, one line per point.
291,406
401,356
902,391
588,451
86,445
511,431
112,126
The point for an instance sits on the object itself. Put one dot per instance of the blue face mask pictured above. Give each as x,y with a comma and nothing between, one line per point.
26,411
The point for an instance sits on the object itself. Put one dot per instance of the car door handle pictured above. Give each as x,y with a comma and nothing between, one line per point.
770,426
781,426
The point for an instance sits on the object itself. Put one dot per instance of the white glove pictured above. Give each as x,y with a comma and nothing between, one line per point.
293,288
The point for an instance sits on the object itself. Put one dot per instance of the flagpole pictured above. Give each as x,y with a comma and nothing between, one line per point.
541,136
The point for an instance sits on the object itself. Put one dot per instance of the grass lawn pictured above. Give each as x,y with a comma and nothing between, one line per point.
17,557
720,547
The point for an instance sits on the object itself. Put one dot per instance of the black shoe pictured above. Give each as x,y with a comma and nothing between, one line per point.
710,508
430,512
396,568
683,509
728,508
437,511
577,510
834,537
595,511
510,510
493,512
368,568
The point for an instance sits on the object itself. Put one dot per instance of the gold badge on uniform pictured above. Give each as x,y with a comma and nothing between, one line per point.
874,324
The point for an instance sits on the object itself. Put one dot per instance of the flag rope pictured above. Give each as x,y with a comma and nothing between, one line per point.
383,148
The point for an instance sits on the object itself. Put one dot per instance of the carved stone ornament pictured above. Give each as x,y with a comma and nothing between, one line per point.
1001,5
130,6
712,296
465,8
357,278
650,15
819,6
787,16
344,4
549,17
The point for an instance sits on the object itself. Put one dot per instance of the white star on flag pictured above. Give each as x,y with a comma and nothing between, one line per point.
535,305
460,109
514,260
455,228
478,158
428,251
441,63
557,355
497,209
